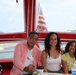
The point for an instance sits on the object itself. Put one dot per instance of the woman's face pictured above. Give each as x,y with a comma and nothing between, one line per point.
72,47
53,40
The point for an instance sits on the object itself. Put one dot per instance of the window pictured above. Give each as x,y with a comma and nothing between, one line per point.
9,41
60,15
7,49
11,16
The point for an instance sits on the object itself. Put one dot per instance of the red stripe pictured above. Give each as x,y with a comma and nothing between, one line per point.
41,22
41,17
42,28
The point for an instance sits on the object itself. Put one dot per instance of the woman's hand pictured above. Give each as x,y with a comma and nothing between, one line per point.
45,70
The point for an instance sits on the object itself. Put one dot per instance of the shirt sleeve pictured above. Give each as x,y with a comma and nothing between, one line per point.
17,57
63,57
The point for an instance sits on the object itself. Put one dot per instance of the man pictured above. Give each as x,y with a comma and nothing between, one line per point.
26,56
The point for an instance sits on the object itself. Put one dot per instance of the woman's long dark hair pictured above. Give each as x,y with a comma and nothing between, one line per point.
47,43
67,47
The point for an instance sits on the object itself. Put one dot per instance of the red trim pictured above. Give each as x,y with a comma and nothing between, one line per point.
13,36
29,8
34,7
31,15
33,24
26,16
67,36
63,36
6,61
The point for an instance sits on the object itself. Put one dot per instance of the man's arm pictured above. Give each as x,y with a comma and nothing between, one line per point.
17,57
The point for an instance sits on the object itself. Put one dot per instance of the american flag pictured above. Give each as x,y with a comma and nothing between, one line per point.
41,25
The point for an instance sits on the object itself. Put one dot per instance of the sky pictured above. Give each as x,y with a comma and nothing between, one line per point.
60,15
11,16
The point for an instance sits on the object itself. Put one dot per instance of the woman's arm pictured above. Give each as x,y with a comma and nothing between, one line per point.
43,60
65,67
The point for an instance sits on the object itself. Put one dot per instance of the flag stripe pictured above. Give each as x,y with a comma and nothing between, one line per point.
41,17
41,25
41,22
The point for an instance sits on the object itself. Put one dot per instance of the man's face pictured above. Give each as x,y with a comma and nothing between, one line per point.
32,39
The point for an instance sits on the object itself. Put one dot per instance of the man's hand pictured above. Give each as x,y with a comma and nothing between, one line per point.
31,68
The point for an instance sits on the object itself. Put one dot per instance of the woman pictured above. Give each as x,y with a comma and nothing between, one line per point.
51,57
69,56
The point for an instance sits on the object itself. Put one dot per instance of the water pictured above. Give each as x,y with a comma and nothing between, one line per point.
8,53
